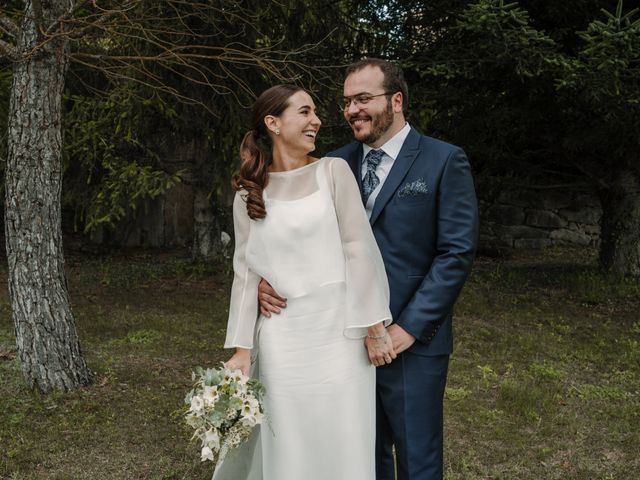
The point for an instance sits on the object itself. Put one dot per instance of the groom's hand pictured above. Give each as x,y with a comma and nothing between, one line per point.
269,300
400,337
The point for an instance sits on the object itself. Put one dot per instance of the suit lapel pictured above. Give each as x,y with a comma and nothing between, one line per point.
402,164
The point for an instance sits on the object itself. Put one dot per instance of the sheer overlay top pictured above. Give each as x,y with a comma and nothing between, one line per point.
315,234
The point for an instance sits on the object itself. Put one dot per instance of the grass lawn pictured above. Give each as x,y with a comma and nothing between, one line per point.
544,382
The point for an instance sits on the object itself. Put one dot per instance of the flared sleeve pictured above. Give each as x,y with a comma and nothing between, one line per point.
243,306
367,298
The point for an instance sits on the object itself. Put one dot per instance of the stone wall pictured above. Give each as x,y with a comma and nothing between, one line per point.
515,218
528,218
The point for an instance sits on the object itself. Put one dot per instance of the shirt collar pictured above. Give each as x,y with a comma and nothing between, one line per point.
393,145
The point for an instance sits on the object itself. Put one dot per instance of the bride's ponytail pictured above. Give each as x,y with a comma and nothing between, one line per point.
255,149
253,174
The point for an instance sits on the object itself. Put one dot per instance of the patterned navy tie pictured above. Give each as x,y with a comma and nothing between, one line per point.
371,180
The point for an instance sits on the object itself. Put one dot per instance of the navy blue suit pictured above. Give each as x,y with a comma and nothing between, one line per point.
425,221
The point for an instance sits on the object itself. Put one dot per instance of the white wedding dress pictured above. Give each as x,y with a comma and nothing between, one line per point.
316,248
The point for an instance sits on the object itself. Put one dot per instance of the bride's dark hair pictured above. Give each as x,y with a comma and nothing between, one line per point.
255,149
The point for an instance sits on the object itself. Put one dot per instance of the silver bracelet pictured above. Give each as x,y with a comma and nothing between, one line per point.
377,337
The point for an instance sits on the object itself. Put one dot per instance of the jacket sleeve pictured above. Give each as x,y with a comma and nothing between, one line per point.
243,306
367,297
457,224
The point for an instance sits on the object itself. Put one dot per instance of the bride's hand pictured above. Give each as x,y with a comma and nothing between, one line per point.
241,360
379,347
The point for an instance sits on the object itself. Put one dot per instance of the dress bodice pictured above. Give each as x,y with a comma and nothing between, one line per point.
314,237
297,246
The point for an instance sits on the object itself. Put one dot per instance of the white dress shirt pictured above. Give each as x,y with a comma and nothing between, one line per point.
391,150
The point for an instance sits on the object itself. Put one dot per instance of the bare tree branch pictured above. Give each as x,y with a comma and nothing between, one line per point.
190,40
9,26
75,6
8,50
152,82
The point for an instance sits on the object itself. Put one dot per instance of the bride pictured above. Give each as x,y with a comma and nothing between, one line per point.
300,224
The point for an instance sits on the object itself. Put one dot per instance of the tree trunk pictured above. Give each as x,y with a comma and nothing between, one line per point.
204,240
211,184
46,337
620,248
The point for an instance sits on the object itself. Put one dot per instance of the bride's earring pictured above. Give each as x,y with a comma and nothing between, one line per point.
277,131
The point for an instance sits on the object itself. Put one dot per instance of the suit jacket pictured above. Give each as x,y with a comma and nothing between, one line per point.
425,220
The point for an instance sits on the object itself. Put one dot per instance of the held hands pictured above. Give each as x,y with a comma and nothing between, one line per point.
384,347
269,300
379,345
400,337
241,360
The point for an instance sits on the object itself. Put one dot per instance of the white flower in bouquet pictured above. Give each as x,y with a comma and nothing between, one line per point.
212,439
210,395
207,454
251,412
249,420
197,405
224,407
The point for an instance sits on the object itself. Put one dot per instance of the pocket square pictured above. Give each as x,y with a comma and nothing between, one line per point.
417,187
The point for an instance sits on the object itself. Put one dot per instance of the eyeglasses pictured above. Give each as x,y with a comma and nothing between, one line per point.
360,99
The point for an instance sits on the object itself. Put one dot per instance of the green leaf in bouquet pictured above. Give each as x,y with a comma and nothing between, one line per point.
212,377
193,421
221,407
235,403
257,388
216,418
197,372
189,396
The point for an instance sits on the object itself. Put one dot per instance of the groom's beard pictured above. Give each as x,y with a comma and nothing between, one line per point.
380,123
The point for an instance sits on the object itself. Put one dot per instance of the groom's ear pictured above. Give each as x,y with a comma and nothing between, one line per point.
272,123
397,101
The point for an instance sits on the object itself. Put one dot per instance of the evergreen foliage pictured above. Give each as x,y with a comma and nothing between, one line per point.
543,93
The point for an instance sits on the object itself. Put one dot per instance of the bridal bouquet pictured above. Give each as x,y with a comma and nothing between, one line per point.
224,406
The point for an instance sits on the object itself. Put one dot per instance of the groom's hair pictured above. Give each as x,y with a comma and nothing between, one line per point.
393,77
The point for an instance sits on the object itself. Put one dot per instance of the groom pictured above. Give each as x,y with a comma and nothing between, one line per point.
419,195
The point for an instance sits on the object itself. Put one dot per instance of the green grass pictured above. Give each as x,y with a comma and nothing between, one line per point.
544,382
549,361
